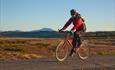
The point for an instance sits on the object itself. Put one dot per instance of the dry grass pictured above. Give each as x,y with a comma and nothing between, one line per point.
102,46
29,48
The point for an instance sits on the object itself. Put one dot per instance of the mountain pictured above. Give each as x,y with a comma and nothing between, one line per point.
50,33
46,29
42,33
43,29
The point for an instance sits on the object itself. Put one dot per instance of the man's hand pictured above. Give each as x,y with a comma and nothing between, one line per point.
60,30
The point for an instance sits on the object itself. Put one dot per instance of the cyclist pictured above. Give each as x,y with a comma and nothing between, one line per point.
77,28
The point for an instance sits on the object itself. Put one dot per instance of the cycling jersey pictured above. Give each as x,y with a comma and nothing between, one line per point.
77,22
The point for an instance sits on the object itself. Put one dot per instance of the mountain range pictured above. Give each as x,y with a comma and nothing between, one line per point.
43,29
50,33
44,32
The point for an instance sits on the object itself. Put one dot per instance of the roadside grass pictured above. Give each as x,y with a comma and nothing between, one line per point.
102,51
32,48
27,48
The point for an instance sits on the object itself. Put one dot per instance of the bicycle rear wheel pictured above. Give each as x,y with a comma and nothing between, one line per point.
83,51
62,51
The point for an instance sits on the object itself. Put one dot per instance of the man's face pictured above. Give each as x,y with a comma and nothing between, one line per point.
73,14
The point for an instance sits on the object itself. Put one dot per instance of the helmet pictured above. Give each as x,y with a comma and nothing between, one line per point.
73,11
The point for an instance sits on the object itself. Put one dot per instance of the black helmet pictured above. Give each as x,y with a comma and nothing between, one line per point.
73,11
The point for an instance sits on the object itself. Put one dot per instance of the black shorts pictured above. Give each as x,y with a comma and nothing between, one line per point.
79,29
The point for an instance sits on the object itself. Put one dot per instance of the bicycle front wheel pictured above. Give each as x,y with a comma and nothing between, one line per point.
83,51
62,51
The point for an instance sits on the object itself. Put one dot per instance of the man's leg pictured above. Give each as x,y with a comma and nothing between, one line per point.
76,42
73,44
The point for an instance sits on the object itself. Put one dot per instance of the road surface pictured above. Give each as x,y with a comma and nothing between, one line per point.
72,63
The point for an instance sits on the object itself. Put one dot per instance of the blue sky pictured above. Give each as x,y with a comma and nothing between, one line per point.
27,15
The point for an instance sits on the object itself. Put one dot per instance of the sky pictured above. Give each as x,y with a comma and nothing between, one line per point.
27,15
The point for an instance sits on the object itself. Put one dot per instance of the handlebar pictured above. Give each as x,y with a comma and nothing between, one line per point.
64,31
67,32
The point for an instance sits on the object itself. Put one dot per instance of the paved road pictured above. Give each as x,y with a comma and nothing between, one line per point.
72,63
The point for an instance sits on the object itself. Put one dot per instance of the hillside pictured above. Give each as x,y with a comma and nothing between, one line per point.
50,33
41,33
43,29
38,34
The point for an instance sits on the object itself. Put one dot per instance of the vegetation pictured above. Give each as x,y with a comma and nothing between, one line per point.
13,48
26,48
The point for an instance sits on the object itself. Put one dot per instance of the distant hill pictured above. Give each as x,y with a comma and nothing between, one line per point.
50,33
43,29
42,33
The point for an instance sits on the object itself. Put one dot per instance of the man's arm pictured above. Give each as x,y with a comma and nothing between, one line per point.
67,24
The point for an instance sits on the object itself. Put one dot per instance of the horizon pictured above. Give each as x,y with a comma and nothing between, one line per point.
28,15
46,30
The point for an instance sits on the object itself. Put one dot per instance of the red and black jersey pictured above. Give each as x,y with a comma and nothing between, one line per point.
77,22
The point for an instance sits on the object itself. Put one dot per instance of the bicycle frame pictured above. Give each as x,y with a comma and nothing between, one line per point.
67,39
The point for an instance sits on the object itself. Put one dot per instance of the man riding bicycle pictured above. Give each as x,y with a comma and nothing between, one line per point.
78,27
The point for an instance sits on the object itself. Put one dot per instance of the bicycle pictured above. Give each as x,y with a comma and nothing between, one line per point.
63,49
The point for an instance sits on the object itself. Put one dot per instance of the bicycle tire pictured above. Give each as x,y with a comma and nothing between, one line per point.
62,51
83,51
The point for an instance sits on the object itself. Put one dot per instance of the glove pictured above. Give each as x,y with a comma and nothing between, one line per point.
60,30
